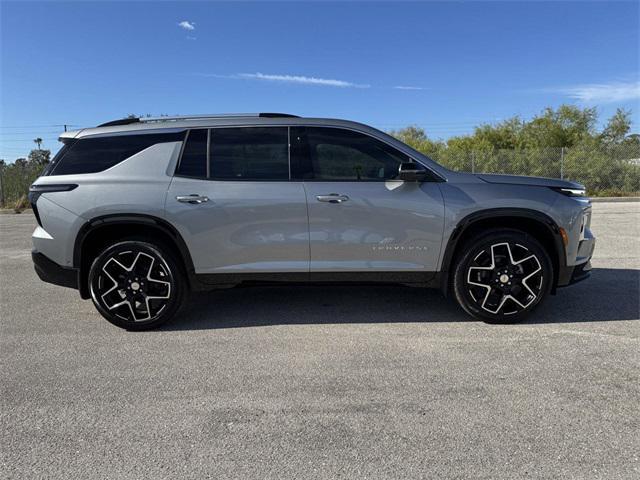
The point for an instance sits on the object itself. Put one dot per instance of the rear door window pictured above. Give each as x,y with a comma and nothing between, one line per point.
249,153
193,162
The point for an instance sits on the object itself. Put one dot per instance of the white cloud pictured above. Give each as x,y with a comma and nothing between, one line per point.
603,92
189,37
407,87
300,79
187,25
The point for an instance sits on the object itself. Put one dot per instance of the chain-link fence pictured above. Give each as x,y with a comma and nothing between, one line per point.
15,179
606,171
613,170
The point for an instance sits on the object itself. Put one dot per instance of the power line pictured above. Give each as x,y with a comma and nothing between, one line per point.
31,132
24,140
39,126
31,137
39,134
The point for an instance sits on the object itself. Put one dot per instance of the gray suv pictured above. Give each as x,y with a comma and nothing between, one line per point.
136,213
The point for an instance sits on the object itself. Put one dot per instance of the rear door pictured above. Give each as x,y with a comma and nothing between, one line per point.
233,202
361,217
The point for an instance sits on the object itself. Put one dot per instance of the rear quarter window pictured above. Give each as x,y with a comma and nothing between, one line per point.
92,155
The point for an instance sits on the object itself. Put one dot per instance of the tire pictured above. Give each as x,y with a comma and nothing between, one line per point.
137,284
501,276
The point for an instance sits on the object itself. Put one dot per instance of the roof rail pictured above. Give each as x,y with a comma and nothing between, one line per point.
213,115
130,120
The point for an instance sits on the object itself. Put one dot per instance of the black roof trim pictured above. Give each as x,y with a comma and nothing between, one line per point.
122,121
277,115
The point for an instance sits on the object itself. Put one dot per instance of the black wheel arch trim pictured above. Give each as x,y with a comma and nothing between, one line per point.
128,219
480,215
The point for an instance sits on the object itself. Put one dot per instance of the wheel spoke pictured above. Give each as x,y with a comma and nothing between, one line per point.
138,305
142,264
157,281
524,280
112,268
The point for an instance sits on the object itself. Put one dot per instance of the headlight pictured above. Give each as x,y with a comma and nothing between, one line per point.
571,192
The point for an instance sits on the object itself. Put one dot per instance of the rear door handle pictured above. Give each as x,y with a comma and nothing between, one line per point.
332,198
193,199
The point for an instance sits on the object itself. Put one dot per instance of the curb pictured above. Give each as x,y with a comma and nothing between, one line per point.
11,211
614,199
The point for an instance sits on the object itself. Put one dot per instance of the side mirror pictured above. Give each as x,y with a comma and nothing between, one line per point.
412,172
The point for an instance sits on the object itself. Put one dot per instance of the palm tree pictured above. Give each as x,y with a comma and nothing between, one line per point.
37,141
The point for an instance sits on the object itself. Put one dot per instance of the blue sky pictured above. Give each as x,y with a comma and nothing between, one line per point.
444,66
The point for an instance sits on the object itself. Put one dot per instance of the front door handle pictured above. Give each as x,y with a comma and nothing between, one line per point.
193,199
332,198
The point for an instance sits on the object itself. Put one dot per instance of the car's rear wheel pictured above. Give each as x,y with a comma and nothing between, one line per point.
502,275
136,284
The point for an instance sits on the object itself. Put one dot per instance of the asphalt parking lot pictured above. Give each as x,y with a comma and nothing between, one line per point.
333,382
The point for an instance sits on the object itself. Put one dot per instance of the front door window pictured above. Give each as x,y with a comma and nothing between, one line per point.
338,155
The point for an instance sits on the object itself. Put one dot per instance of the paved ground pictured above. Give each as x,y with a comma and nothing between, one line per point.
310,382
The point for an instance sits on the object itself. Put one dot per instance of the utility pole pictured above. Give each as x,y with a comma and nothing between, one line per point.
2,186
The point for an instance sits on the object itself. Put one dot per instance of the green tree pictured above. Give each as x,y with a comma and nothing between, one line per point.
503,135
416,137
39,157
38,141
565,127
617,128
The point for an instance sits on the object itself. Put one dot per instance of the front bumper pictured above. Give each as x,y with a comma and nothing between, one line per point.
50,272
570,274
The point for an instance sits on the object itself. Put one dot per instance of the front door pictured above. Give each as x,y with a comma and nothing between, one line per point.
240,214
361,218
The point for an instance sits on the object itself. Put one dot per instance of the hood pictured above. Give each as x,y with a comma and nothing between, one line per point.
530,181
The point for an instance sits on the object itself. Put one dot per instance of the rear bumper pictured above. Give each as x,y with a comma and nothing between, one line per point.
50,272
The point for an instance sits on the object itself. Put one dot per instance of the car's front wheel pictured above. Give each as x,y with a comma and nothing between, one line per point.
502,275
136,284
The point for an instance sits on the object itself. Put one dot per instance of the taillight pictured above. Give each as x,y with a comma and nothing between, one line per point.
36,190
